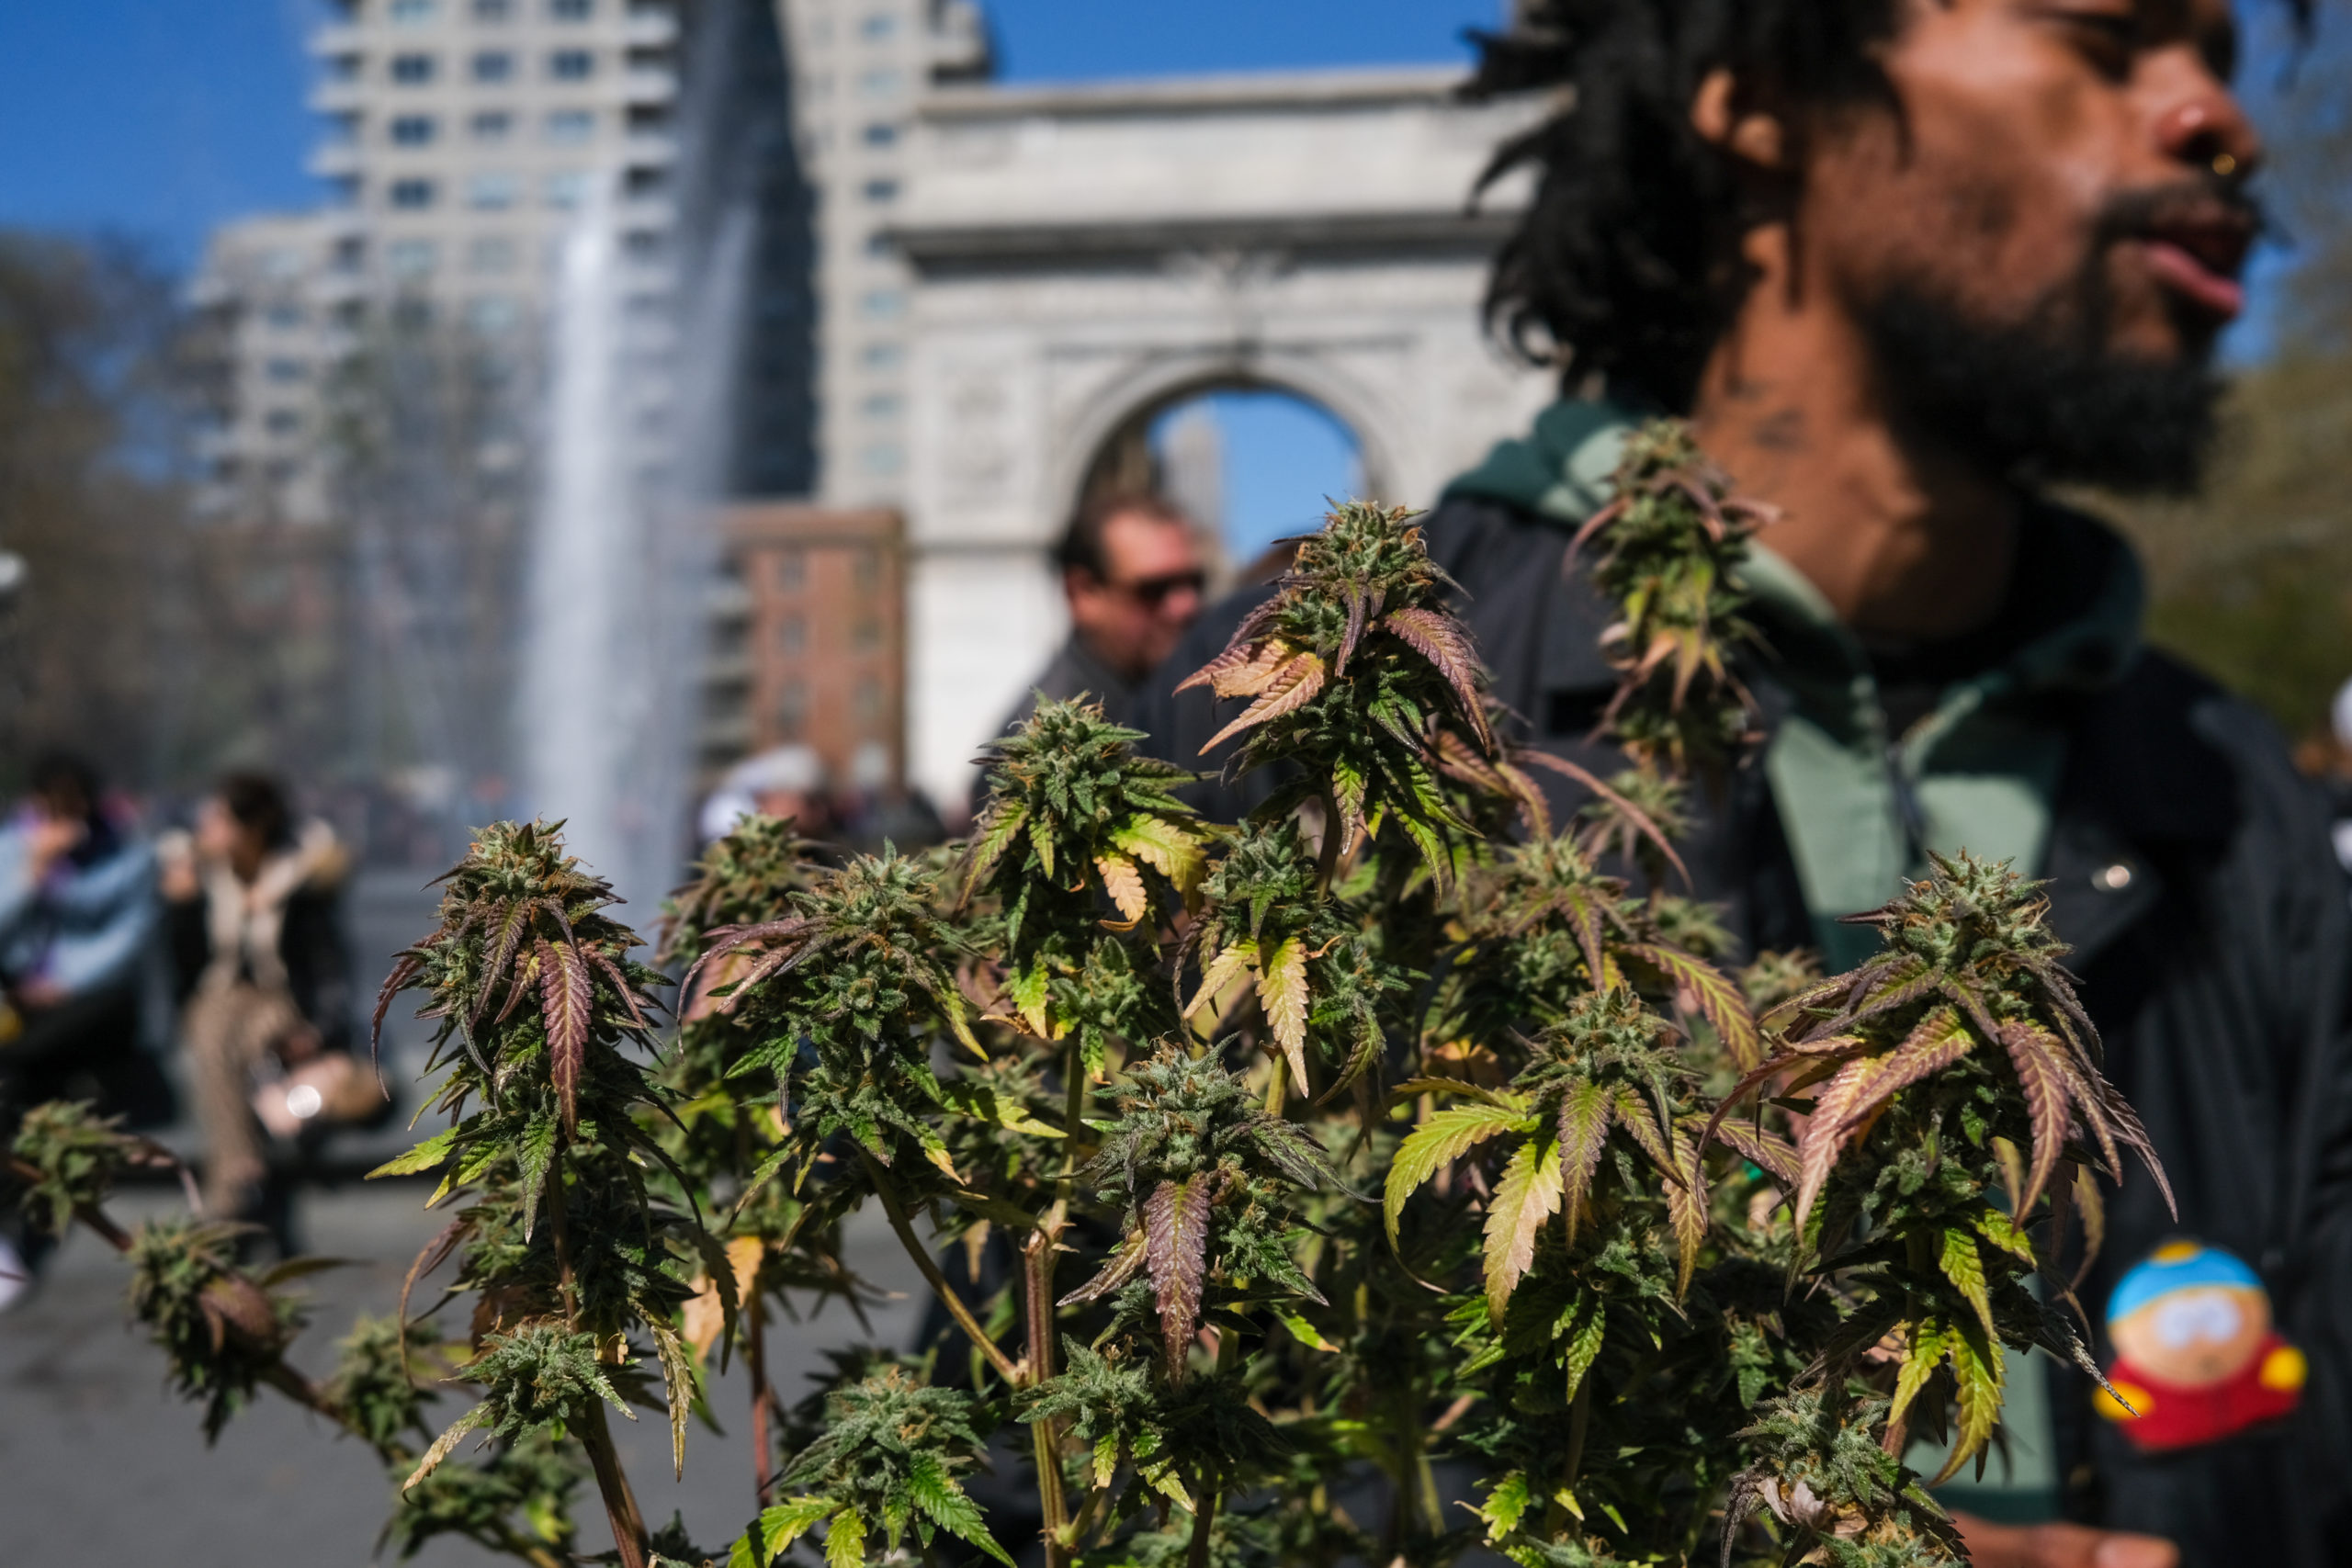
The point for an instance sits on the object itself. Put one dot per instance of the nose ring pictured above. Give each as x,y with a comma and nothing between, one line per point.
2224,165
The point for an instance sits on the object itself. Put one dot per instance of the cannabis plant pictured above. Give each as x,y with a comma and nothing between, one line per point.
1392,1174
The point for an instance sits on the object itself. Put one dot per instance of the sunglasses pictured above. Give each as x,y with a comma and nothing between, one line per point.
1152,593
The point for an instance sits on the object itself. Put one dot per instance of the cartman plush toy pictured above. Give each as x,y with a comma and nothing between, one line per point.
2196,1358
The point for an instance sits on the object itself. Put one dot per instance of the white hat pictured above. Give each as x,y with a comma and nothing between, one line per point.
795,768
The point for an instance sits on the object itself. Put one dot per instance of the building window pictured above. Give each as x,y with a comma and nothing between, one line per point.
866,636
867,572
791,710
493,315
883,303
493,125
412,13
493,190
881,84
493,10
284,317
567,188
343,68
350,254
571,64
867,701
571,10
883,356
571,125
881,190
880,24
410,258
411,195
412,130
881,133
286,372
791,634
493,65
791,570
881,405
411,69
282,422
490,253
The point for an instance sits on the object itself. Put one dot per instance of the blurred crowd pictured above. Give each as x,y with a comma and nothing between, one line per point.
202,970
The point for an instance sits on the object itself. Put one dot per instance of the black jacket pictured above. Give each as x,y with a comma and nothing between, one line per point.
2214,961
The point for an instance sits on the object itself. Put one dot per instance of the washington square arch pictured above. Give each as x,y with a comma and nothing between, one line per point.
1085,256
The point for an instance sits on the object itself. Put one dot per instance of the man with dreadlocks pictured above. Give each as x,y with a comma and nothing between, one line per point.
1905,264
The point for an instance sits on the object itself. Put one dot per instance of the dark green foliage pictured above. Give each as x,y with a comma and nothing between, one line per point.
73,1158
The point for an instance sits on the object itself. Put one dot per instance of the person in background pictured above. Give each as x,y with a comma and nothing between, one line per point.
77,915
1133,576
1908,269
787,781
254,904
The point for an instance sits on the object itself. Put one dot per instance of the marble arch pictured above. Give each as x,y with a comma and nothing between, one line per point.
1082,255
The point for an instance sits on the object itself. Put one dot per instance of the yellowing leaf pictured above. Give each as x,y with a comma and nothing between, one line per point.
845,1541
1528,1194
1437,1143
777,1529
1965,1268
1167,847
1306,1333
1124,883
1281,991
1920,1359
1221,972
1978,1365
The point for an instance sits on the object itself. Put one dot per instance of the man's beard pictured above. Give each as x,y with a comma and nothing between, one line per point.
2047,399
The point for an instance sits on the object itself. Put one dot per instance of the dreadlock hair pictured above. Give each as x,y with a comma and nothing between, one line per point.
1627,263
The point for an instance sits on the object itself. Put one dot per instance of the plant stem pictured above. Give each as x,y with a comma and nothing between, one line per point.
1037,1279
612,1483
880,1178
755,1364
1197,1555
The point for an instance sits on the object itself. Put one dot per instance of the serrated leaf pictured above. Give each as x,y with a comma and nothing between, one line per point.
1291,687
1964,1266
2042,1080
1504,1505
1176,1244
1437,1143
1717,996
2002,1232
1041,839
845,1541
1030,989
422,1157
535,1155
1978,1365
1920,1359
1584,1131
1221,972
1686,1208
564,1003
1124,883
1306,1333
1281,991
1004,823
678,1380
1167,847
443,1444
1106,1460
1528,1194
777,1528
937,1494
1584,1345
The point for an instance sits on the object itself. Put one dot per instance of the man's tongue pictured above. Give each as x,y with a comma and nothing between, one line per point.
2179,268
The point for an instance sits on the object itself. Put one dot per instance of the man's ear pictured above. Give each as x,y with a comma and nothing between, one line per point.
1751,135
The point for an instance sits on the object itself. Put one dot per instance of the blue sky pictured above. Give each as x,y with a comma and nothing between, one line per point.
161,118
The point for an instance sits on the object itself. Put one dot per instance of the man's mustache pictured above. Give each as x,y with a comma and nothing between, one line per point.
2196,199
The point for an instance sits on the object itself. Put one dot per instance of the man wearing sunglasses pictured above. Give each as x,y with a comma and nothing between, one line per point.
1133,576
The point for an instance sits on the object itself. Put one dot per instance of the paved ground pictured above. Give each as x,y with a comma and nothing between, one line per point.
100,1465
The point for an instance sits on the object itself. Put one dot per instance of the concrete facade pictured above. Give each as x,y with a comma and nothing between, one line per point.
859,70
1082,257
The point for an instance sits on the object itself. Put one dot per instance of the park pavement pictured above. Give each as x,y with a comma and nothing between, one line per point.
99,1464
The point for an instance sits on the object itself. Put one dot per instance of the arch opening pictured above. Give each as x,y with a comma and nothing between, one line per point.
1253,462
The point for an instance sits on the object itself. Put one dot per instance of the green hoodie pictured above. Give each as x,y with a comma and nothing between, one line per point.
1862,807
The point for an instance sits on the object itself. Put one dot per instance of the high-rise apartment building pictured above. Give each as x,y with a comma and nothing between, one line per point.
859,69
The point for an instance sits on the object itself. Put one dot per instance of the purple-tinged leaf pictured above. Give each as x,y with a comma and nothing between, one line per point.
1176,1251
565,1000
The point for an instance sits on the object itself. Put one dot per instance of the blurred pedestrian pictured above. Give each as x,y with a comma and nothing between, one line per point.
77,915
1908,269
789,781
255,901
1132,577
